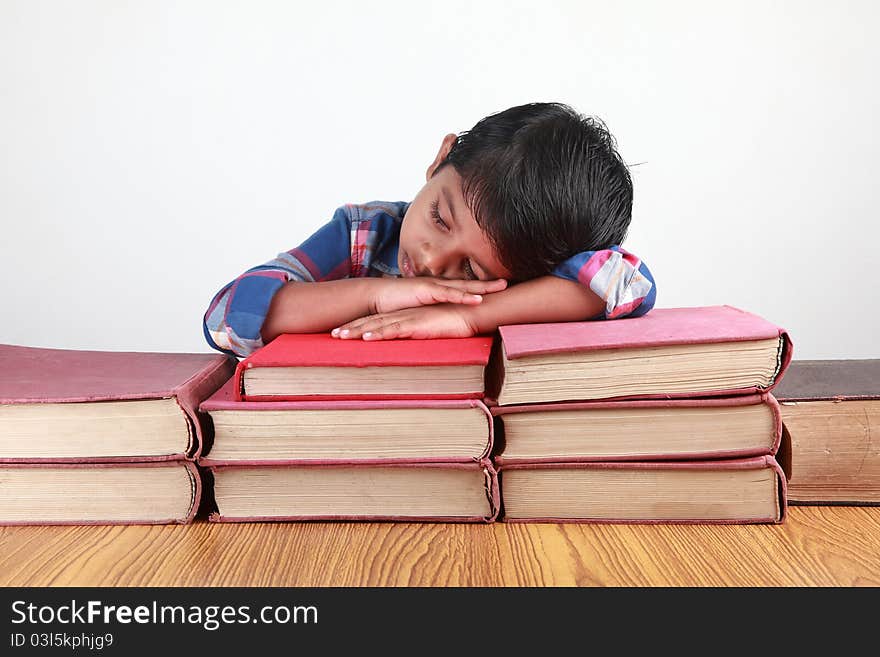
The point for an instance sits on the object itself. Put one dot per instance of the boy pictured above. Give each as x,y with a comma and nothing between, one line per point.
518,222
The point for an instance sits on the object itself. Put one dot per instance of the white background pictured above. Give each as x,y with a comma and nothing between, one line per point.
152,151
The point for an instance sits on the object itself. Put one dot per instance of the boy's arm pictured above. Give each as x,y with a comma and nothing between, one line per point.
236,314
307,290
623,282
593,285
319,307
544,299
604,284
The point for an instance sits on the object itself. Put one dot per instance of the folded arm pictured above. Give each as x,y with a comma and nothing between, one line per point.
595,285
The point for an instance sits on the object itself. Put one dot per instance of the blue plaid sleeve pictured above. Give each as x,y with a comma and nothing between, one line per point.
617,277
235,316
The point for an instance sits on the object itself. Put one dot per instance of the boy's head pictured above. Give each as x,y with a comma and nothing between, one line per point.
520,192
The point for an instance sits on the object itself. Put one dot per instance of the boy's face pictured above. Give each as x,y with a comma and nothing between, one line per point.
439,236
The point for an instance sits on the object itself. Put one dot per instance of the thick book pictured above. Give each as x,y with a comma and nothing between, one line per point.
343,431
723,491
426,492
831,410
66,405
668,353
703,428
99,493
315,366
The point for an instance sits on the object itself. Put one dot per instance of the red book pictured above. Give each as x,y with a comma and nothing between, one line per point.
668,353
65,405
639,430
723,491
345,431
317,366
402,492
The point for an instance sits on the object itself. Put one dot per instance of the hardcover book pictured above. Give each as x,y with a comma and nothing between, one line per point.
69,405
731,491
831,410
365,431
99,493
704,428
668,353
317,366
442,492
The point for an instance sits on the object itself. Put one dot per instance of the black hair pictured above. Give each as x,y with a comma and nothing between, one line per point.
544,183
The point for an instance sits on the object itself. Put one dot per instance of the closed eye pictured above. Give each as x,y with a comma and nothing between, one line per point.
435,214
469,270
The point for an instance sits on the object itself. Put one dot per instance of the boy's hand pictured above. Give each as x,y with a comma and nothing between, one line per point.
398,293
438,321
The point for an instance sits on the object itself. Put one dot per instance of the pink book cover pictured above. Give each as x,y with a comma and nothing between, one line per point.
321,350
753,463
660,327
704,402
191,468
34,375
224,399
493,498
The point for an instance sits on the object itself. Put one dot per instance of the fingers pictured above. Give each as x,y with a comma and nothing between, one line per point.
374,327
449,294
461,291
473,287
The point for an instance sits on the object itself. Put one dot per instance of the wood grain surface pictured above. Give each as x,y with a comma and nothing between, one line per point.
816,546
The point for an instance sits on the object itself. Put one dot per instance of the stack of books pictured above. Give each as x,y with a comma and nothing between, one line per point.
315,428
663,418
101,437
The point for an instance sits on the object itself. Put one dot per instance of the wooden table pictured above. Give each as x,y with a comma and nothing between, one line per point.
816,546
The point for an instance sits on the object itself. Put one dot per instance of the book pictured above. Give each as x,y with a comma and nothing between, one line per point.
831,410
668,353
723,491
447,492
74,405
317,366
99,493
345,431
724,427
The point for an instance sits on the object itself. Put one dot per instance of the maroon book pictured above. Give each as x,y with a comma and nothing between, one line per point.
669,353
345,431
394,492
136,493
639,430
722,491
65,405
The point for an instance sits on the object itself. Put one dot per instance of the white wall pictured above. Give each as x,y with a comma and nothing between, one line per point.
152,151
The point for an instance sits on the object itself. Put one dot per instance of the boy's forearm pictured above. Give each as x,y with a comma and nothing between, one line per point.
317,307
545,299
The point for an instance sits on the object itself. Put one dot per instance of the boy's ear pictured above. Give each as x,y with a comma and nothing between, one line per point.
445,147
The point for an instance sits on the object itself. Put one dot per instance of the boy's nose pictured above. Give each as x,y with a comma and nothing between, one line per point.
435,262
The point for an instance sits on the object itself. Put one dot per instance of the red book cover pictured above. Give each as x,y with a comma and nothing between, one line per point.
97,502
51,376
225,399
720,450
307,350
484,470
711,513
660,327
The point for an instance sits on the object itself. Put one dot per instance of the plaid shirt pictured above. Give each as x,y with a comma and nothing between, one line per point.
362,240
